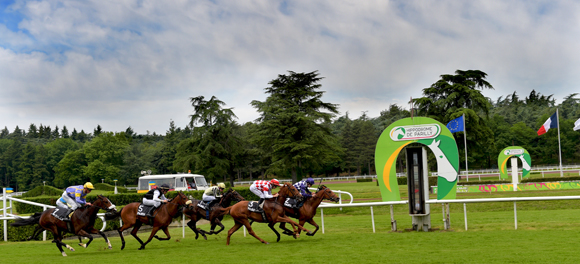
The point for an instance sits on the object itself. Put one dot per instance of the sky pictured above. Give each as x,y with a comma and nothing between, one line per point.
137,63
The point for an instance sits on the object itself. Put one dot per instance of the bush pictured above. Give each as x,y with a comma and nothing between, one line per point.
364,180
43,190
108,187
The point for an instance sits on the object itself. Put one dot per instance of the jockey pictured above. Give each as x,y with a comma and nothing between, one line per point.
74,197
303,185
155,197
263,189
212,193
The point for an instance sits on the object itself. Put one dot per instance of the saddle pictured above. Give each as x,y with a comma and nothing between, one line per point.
291,203
254,206
145,210
61,214
202,205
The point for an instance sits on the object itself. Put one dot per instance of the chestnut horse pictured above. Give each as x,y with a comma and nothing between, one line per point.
163,217
83,221
217,213
274,211
307,212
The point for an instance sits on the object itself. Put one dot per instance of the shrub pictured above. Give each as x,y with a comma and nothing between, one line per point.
43,190
364,180
108,187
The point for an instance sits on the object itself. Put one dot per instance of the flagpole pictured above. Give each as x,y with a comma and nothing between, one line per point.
465,143
559,147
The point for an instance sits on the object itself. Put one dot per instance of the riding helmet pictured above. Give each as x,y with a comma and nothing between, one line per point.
275,182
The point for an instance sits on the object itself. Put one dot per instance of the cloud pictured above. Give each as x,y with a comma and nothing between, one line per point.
137,63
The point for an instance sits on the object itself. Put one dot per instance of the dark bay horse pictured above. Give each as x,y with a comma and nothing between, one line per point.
83,221
217,213
273,208
307,212
163,217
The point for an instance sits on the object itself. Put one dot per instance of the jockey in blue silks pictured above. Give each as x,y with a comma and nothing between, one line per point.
302,186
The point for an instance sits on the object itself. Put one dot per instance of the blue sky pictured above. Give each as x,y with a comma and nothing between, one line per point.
136,63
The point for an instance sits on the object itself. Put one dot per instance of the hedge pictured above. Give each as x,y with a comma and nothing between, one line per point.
108,187
43,190
364,180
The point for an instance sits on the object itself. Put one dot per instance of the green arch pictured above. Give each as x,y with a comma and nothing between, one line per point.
428,132
517,151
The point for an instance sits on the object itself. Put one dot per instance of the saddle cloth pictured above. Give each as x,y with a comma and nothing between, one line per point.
144,210
202,205
61,213
253,206
291,203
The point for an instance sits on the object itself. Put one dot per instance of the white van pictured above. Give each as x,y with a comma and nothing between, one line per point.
176,182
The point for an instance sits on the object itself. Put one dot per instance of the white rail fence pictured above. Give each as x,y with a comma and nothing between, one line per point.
7,200
443,202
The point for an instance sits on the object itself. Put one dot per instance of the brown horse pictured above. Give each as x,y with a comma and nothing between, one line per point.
83,221
274,211
307,212
162,219
217,213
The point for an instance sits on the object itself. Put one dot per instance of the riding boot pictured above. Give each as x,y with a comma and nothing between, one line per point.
261,203
69,217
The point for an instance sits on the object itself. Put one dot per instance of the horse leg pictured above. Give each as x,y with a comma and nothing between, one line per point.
251,231
104,236
197,231
166,231
35,233
134,233
219,223
294,225
58,240
153,232
125,226
310,221
232,230
271,226
286,230
85,234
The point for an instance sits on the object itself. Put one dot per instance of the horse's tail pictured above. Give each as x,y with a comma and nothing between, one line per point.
113,215
224,211
33,219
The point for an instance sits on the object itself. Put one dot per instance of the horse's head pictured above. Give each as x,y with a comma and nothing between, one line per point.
104,203
181,199
327,193
289,191
235,195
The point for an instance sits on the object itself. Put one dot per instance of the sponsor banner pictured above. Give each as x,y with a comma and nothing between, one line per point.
415,132
513,152
536,186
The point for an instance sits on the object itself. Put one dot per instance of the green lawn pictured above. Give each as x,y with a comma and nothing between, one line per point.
540,238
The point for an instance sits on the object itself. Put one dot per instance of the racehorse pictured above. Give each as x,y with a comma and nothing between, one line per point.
83,221
307,212
273,209
162,219
217,213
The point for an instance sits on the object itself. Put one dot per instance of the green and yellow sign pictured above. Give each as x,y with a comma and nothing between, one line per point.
428,132
516,151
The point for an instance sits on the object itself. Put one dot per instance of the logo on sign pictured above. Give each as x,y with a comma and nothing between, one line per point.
513,151
402,133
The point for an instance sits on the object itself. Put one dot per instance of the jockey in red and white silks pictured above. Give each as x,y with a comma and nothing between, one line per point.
263,189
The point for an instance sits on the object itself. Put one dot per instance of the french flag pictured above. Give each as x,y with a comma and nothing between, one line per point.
552,122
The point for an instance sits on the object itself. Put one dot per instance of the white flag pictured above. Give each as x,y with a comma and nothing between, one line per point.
577,125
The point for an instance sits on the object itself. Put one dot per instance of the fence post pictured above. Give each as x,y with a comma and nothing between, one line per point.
322,218
465,215
393,221
4,214
515,216
373,219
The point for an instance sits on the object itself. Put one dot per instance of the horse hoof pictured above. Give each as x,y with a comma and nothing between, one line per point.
110,247
309,234
266,243
63,254
83,245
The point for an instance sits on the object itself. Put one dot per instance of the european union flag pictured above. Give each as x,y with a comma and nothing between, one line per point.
456,125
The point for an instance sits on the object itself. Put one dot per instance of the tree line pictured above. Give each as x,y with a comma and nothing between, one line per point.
297,134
